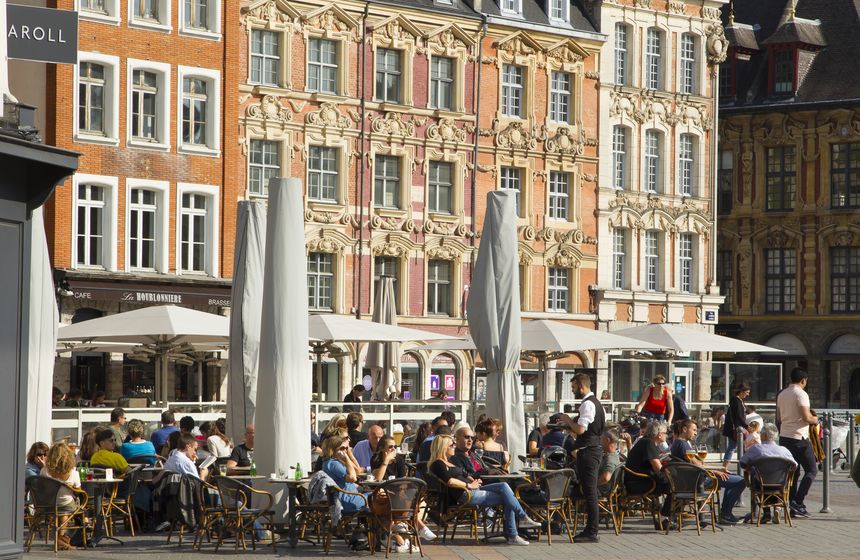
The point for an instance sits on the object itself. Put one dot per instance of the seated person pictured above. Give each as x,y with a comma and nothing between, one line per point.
732,484
106,456
556,436
767,448
366,448
182,459
241,454
644,458
611,460
136,445
489,431
424,452
60,465
36,459
533,444
457,481
464,457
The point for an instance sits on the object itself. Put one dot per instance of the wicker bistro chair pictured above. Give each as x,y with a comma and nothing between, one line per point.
121,502
644,500
692,491
311,515
362,517
404,497
238,513
769,480
607,502
43,496
209,514
148,460
554,487
454,515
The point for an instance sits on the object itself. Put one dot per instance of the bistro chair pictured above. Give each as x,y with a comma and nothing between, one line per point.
639,500
208,514
238,513
607,503
362,517
311,515
43,496
454,515
122,501
148,460
769,480
554,488
404,497
692,490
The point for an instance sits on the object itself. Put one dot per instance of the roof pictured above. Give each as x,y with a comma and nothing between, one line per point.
829,29
534,12
462,8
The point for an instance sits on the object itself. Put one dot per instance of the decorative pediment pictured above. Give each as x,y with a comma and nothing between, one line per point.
447,250
446,130
395,30
327,241
525,253
448,37
391,245
564,256
271,14
566,52
269,109
777,239
566,142
393,124
518,43
328,115
331,19
516,137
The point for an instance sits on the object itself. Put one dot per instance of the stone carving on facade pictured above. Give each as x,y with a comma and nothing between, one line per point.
678,8
627,104
269,109
448,39
270,14
391,245
777,239
447,250
525,254
396,31
336,216
392,223
711,13
589,177
844,239
664,313
564,256
516,136
567,52
716,44
519,43
566,142
446,130
528,233
325,242
778,129
328,116
592,75
332,20
393,124
642,4
630,312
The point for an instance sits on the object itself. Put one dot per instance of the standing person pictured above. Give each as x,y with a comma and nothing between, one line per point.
117,421
588,428
792,411
735,418
352,397
168,426
655,403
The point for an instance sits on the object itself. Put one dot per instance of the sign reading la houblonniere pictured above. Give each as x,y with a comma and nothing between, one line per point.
41,34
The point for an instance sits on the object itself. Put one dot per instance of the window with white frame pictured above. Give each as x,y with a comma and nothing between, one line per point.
322,66
559,195
440,187
619,157
510,180
90,234
558,10
687,79
389,75
438,287
653,149
557,287
96,6
386,191
142,230
687,263
511,7
320,281
264,162
652,260
143,102
200,101
149,13
653,55
387,266
512,90
92,96
620,54
686,165
146,10
559,104
201,16
265,57
322,173
193,232
619,258
442,82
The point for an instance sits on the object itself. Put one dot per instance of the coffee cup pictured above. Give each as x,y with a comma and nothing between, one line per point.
370,478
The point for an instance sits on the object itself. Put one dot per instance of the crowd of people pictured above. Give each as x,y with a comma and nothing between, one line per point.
459,455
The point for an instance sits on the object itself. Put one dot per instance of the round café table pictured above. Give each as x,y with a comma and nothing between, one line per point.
96,489
292,488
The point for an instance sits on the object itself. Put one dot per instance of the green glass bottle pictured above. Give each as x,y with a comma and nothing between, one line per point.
253,471
299,474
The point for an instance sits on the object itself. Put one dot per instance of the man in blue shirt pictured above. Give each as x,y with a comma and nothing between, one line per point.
168,426
183,460
767,448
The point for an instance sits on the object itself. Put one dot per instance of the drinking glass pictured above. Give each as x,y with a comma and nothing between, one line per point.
703,452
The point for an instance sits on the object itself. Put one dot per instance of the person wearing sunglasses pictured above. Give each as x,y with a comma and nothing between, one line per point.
655,403
464,457
36,458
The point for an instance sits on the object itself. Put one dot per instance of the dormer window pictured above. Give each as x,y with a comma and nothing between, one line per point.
783,71
512,7
557,10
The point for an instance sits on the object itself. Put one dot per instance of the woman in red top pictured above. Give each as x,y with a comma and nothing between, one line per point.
656,401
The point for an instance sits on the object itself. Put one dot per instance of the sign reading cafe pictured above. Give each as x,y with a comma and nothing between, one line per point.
41,34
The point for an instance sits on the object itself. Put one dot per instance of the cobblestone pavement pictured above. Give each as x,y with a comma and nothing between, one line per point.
834,535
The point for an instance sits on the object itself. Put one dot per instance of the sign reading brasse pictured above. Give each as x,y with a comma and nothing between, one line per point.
42,34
